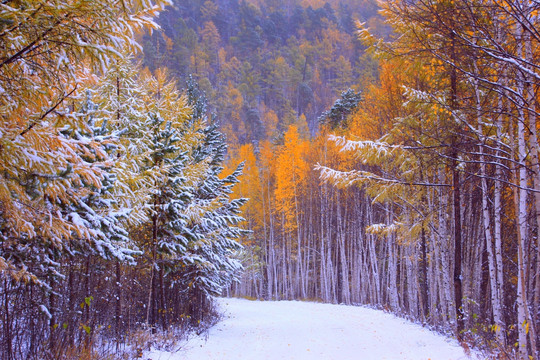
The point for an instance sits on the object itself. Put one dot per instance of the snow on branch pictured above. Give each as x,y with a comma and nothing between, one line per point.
384,229
346,145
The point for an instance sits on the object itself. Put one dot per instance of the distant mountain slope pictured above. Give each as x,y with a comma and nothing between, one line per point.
265,64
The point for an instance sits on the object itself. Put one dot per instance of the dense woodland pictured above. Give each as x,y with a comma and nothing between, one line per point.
115,211
265,65
396,168
389,153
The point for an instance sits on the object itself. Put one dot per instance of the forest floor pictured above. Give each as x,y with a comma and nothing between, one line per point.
302,330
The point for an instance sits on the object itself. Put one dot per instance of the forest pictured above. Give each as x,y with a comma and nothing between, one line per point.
116,214
156,154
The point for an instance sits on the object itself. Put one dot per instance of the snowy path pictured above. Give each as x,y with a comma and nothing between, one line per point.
299,330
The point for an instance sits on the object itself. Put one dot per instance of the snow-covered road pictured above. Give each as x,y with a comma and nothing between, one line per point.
301,330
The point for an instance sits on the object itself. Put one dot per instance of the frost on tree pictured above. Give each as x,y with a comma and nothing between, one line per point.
47,52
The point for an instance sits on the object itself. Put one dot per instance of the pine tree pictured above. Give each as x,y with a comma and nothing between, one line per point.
96,210
120,97
337,116
211,267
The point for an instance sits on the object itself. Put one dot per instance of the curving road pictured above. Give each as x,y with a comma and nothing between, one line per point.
301,330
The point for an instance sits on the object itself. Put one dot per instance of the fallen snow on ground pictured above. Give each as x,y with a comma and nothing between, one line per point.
254,330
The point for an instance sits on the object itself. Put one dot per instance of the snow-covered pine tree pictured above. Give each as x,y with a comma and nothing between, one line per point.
174,135
336,117
211,265
120,95
106,244
96,210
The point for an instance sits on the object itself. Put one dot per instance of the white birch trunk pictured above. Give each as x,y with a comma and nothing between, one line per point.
445,266
521,208
494,285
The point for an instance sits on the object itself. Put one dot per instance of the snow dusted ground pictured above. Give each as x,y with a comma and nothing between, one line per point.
272,330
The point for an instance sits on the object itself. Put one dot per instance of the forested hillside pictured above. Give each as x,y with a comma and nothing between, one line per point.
265,65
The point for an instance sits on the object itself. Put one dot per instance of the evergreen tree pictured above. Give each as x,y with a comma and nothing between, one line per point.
336,117
96,211
211,265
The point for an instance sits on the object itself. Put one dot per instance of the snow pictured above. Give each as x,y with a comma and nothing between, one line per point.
44,310
302,330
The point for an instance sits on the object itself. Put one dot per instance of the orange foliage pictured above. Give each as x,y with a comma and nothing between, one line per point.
382,103
249,186
291,172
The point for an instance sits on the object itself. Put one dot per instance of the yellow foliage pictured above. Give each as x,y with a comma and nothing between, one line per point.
291,172
250,184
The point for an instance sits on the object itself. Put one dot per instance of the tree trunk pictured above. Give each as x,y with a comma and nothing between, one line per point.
424,284
7,324
118,310
458,292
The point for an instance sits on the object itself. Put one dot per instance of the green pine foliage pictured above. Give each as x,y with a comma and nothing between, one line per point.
210,264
